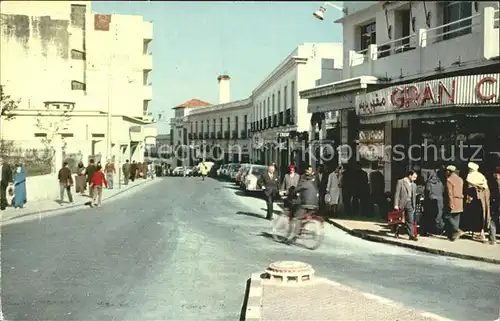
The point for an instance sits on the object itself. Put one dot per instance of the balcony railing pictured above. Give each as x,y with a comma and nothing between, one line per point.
265,123
190,136
226,134
275,120
195,136
397,58
243,133
281,118
206,135
235,134
212,135
289,117
269,121
219,135
261,124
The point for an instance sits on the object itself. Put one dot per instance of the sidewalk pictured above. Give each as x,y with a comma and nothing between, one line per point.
464,248
322,299
46,206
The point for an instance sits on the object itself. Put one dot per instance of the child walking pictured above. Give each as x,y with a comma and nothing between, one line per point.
97,182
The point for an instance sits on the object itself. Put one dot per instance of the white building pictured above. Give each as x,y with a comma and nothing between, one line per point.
408,68
73,68
281,123
178,130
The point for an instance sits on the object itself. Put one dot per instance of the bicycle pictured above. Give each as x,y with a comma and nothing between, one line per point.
311,227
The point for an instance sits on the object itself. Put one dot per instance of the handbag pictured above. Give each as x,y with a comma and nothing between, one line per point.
395,217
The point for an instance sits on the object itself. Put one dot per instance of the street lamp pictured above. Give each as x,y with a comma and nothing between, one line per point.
320,13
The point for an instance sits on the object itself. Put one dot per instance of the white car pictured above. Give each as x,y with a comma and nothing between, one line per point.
178,171
255,172
188,171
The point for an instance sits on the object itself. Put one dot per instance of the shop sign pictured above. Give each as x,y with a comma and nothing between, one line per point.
462,90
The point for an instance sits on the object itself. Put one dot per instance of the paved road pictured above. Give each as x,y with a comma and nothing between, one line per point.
184,250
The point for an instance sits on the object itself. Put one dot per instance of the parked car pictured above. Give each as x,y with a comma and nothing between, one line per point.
233,169
244,175
253,176
214,171
221,170
189,171
178,171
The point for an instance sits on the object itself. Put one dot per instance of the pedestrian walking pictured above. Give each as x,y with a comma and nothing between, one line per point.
478,202
434,196
321,180
289,184
5,180
495,205
333,190
455,203
65,183
126,172
89,172
203,170
81,182
270,182
151,170
109,171
133,171
405,200
97,182
19,187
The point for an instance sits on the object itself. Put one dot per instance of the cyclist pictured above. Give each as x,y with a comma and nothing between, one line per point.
308,200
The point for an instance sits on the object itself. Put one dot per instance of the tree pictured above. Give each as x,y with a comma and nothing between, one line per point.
52,122
8,105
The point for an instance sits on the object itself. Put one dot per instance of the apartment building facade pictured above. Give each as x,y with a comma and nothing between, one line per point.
416,73
81,77
281,124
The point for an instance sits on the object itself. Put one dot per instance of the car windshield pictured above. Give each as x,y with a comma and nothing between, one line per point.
259,171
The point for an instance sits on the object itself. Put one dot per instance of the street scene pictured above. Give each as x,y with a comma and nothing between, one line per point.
217,160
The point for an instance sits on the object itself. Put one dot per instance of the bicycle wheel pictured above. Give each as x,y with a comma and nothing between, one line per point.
280,228
312,234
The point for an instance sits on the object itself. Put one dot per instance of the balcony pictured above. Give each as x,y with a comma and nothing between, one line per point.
219,135
281,119
190,136
206,135
235,134
195,136
147,92
275,120
269,122
261,124
147,30
244,133
289,117
212,135
264,125
474,38
147,62
226,134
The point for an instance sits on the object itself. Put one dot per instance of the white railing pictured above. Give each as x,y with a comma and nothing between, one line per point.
439,33
496,18
396,46
359,57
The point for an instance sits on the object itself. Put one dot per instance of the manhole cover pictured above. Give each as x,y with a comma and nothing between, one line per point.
290,272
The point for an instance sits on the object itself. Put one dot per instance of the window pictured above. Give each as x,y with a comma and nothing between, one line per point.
220,124
245,121
455,11
40,135
202,126
274,103
191,127
229,124
285,94
77,54
268,106
292,95
76,85
264,109
236,123
279,101
214,129
368,35
196,126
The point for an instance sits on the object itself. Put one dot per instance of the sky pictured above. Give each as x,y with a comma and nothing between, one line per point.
194,42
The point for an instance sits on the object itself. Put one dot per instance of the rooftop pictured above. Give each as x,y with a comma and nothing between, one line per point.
193,103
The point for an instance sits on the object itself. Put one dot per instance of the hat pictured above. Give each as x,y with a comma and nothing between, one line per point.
291,167
451,168
473,166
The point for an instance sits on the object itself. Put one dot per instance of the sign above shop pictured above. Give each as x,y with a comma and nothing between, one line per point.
460,91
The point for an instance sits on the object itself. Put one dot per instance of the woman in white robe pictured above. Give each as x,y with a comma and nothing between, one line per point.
333,190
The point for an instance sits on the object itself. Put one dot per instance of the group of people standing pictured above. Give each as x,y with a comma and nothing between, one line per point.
12,185
452,206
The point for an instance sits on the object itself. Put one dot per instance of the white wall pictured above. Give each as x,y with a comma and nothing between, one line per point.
473,49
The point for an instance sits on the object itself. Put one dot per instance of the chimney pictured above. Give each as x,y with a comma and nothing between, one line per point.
224,89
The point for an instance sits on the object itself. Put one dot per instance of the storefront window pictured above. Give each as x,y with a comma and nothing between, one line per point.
371,149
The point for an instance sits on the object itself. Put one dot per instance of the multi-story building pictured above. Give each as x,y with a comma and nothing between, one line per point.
178,130
221,132
417,74
281,123
81,77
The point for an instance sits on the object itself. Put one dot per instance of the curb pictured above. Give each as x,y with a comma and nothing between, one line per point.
75,206
254,299
379,239
382,300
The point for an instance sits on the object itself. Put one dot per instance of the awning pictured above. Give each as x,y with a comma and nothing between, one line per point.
330,103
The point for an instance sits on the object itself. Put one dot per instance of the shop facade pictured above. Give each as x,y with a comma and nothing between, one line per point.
428,125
